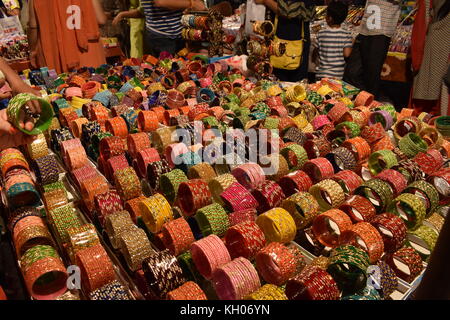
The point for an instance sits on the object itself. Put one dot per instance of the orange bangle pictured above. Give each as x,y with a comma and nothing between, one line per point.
76,158
169,114
77,81
147,121
359,147
384,143
137,142
446,148
75,126
364,98
184,110
159,113
117,126
91,187
321,228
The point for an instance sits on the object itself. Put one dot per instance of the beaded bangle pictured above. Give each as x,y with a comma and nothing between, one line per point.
96,267
383,159
410,258
328,194
208,254
303,208
135,247
127,183
38,148
46,169
313,283
193,195
321,226
111,291
410,208
155,212
388,281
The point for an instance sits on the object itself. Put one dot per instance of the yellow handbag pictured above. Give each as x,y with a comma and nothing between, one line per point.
292,58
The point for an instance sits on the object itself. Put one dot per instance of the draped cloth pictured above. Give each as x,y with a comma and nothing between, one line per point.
61,46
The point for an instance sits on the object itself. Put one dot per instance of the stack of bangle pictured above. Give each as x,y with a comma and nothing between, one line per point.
406,125
396,180
237,198
177,236
299,156
212,219
115,224
40,264
111,291
348,266
348,180
244,240
277,225
296,181
410,258
249,175
46,169
82,237
342,159
268,292
378,192
441,181
268,195
155,212
426,192
208,254
127,183
170,182
235,280
242,216
135,247
410,208
369,235
321,226
96,267
111,146
411,144
28,232
155,170
187,291
358,208
318,169
114,164
303,208
313,283
429,161
328,194
62,219
193,195
423,239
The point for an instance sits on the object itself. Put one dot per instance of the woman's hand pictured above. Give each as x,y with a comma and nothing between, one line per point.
25,120
9,136
117,19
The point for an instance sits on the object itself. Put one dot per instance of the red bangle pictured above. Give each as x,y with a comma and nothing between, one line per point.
235,280
100,114
83,173
193,195
242,216
319,121
146,156
321,228
208,254
169,115
317,147
175,99
410,258
268,195
237,198
384,143
396,180
187,291
429,161
276,263
348,180
137,142
373,133
112,146
244,240
373,242
359,147
279,110
441,181
338,112
392,229
173,151
107,203
318,169
217,112
177,236
90,89
249,175
313,283
198,109
76,81
358,208
76,158
294,182
117,126
159,111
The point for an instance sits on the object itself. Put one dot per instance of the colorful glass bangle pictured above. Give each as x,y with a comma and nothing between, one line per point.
244,240
410,258
321,226
303,208
193,195
328,194
155,212
410,208
369,235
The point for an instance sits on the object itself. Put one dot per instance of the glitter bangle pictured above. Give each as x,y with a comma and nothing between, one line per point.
321,229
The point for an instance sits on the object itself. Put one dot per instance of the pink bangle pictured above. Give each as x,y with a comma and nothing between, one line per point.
319,121
237,198
250,175
173,151
73,92
236,280
242,216
205,82
83,173
115,163
208,254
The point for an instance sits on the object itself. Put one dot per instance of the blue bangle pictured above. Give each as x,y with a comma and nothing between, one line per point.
130,116
187,160
46,169
16,198
205,95
103,97
126,87
257,115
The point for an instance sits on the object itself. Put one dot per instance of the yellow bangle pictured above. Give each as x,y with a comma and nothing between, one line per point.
333,192
38,148
155,212
277,225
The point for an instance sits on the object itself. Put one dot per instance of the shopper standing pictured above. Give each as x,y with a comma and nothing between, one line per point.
370,49
162,23
333,44
293,24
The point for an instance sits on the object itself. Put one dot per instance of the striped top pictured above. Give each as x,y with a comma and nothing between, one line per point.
331,43
380,18
161,22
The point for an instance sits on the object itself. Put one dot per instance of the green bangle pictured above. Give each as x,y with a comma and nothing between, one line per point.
169,183
62,219
426,189
412,144
380,160
212,219
15,105
351,126
37,253
426,237
54,186
389,108
188,267
300,154
378,188
414,207
232,98
271,123
443,125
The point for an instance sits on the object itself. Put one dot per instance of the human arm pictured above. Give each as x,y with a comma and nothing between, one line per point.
32,33
271,4
136,13
196,5
348,46
99,13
